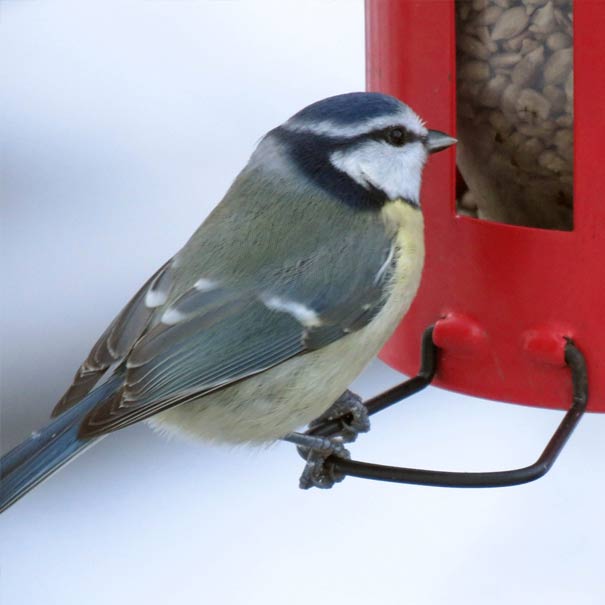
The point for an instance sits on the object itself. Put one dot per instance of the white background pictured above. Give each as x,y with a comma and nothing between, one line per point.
122,123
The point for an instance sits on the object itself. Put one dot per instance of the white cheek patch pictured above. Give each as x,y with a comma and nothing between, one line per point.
395,170
305,315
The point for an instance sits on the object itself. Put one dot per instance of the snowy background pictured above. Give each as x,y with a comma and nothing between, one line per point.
122,124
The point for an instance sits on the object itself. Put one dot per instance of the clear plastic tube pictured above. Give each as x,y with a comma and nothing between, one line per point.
515,110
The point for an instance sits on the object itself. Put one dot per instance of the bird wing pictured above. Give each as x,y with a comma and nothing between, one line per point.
209,338
119,338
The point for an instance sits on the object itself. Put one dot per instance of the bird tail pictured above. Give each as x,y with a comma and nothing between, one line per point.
48,449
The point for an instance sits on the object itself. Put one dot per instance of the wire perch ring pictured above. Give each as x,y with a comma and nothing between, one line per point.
428,366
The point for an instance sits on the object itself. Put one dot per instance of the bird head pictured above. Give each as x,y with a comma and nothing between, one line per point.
364,148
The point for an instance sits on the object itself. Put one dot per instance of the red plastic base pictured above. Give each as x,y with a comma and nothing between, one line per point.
507,296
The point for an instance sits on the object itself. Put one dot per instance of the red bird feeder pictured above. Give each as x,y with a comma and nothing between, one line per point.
503,299
504,311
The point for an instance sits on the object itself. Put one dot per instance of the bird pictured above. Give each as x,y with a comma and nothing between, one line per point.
283,295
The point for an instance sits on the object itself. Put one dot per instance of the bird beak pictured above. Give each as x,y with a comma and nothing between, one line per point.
438,141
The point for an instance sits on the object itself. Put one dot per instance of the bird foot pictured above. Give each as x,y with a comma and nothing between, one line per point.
352,414
316,451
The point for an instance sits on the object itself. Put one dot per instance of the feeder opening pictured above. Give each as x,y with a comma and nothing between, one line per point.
514,68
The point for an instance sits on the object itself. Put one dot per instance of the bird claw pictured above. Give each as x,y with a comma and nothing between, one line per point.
352,414
353,418
317,473
316,451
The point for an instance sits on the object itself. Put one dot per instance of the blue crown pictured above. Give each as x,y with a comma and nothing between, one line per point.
350,108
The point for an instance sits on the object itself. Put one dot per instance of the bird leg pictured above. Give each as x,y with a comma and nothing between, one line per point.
352,416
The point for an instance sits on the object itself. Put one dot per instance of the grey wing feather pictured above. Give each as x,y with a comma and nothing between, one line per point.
171,364
119,337
225,335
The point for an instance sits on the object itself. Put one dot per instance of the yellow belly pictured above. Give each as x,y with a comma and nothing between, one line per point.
267,406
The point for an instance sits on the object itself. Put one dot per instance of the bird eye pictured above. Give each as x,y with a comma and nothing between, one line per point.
396,136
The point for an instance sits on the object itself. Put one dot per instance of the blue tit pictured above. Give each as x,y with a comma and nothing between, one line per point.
277,302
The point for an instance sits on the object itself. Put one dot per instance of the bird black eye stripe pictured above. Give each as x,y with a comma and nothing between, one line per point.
396,136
